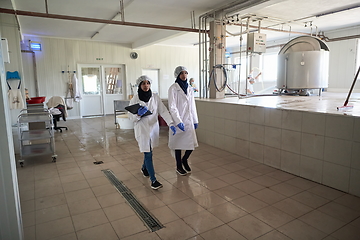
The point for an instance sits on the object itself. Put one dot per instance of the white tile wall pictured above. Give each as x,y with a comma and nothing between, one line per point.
219,126
242,147
219,140
337,151
336,176
230,128
230,144
311,168
243,113
355,182
290,162
257,133
272,156
355,158
356,129
272,137
291,120
339,127
257,115
312,145
207,122
231,111
273,117
290,141
313,123
256,152
243,130
319,147
218,109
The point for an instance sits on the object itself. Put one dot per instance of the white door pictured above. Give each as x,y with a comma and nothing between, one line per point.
114,86
91,91
100,86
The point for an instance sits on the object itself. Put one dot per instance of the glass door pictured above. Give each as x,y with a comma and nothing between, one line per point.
100,85
114,86
91,103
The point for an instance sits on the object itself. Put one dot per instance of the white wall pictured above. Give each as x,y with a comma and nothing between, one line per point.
58,54
343,59
10,213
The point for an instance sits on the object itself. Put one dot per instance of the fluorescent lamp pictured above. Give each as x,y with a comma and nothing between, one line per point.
35,46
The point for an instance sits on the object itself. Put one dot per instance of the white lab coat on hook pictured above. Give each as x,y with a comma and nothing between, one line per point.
76,90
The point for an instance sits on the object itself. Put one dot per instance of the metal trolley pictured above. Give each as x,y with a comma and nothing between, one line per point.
36,134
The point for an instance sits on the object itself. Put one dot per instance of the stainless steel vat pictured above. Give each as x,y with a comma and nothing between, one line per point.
303,63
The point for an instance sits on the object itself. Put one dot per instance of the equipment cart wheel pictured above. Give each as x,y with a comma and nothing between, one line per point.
53,159
21,164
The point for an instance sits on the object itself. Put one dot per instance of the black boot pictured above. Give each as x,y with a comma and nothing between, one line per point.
179,167
185,160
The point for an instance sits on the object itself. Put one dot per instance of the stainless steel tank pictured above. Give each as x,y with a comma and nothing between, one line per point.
303,63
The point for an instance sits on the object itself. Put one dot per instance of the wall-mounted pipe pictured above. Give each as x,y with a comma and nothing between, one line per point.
326,39
95,20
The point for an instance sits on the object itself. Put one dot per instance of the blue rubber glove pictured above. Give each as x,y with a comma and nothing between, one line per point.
181,126
142,111
173,129
196,125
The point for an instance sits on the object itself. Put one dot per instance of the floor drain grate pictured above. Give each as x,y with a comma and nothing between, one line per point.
151,222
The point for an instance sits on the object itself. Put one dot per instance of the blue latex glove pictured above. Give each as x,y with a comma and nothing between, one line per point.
196,125
173,129
142,111
181,126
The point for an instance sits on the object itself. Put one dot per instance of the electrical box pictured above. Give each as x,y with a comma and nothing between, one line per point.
5,50
256,42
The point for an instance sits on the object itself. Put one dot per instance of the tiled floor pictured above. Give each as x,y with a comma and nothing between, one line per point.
225,197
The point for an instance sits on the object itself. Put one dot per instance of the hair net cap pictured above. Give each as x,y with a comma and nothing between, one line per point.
178,70
142,78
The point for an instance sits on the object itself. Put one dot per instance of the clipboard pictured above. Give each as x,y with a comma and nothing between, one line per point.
134,109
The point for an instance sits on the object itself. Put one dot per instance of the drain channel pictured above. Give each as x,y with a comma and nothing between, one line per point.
151,222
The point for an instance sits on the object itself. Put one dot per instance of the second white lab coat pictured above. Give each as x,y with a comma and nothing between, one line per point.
147,128
183,110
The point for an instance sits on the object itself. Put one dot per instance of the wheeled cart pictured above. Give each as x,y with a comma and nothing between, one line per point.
36,134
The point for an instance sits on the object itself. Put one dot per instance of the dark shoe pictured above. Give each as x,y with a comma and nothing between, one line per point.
145,172
181,172
187,167
156,185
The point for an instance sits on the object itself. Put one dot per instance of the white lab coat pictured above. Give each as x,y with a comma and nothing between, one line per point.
147,128
15,99
183,110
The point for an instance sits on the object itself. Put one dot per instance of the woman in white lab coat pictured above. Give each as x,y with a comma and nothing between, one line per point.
183,111
147,127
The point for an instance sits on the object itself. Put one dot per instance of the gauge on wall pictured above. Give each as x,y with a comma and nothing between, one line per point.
133,55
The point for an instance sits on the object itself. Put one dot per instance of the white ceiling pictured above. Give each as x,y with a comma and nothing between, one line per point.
278,14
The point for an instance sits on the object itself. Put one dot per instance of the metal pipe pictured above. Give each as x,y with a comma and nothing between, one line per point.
46,7
95,20
206,63
247,58
34,69
273,29
122,10
200,53
240,45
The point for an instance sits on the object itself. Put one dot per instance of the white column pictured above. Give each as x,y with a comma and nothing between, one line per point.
10,212
217,56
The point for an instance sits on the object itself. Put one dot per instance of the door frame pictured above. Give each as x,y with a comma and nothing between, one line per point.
103,95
